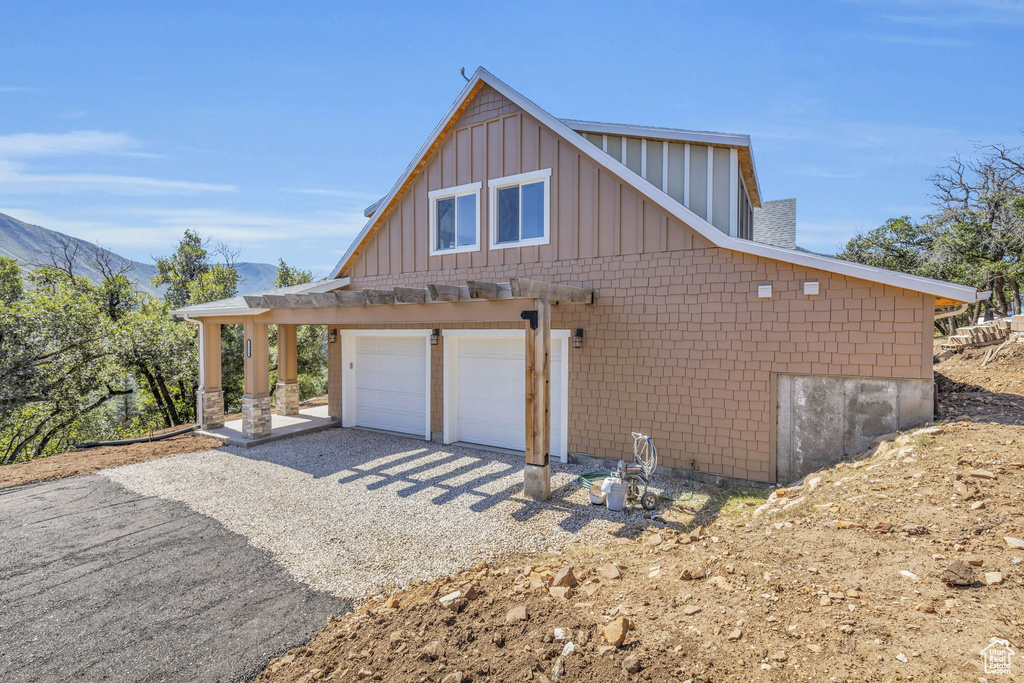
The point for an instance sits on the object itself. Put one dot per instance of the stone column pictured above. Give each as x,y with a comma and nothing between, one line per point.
287,389
210,399
256,399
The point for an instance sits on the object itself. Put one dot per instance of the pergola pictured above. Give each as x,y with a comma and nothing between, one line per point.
330,303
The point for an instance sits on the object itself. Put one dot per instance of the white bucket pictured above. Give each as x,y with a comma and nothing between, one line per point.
596,495
617,495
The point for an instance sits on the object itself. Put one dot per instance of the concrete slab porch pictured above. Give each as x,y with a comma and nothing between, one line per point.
307,421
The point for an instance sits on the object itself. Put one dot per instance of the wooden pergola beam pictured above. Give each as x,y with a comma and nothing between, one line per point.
410,295
255,301
483,290
523,288
379,297
444,292
516,288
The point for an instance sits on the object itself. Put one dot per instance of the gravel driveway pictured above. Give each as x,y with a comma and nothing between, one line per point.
101,584
356,512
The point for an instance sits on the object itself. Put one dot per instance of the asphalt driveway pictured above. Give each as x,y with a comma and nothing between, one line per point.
101,584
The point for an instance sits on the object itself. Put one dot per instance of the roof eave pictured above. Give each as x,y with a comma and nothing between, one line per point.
674,208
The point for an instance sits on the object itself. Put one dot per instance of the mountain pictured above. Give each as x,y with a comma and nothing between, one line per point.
31,245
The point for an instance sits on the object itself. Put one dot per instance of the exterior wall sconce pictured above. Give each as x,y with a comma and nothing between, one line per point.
434,336
764,291
811,287
577,339
248,348
332,336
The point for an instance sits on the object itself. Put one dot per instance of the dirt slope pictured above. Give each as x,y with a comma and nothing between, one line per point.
846,578
90,460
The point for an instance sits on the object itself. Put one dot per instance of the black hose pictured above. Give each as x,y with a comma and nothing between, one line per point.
141,439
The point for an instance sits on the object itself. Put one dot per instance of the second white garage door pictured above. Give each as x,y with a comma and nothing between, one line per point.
387,382
487,388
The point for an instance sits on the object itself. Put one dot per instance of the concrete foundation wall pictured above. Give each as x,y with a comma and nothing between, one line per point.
822,418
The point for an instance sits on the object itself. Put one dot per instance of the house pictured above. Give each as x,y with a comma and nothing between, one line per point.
551,285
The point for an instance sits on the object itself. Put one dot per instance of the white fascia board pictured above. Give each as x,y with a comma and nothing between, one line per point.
217,312
329,286
669,205
674,134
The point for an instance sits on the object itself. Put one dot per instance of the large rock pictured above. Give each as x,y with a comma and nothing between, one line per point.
616,630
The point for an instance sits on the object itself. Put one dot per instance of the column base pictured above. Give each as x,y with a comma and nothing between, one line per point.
286,397
212,409
537,481
255,417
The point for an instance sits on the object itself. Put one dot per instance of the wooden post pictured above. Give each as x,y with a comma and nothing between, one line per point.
531,398
537,472
210,401
542,363
256,418
287,390
256,359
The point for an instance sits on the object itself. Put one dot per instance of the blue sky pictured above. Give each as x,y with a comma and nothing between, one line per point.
271,125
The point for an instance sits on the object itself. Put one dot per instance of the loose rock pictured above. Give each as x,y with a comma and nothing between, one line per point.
616,630
516,614
993,578
631,664
565,577
958,573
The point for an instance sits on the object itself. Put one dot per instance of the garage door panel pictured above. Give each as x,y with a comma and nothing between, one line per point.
390,383
491,390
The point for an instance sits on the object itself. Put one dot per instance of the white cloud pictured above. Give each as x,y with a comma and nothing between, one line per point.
923,41
21,145
15,88
15,179
367,197
127,231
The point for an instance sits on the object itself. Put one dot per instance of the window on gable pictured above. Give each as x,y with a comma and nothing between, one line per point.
520,209
455,219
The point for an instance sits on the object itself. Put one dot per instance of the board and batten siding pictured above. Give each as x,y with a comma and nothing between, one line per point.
685,172
593,214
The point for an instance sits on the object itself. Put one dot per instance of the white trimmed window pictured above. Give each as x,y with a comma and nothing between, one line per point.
520,208
455,219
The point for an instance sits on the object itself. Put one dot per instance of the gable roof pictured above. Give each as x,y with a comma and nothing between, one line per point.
702,227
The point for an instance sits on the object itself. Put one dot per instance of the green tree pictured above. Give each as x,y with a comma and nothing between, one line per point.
192,278
11,288
311,340
900,244
57,365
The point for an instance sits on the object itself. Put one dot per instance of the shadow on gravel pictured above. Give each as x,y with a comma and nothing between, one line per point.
479,479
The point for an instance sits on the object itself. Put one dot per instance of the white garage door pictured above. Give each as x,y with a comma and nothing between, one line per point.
391,383
490,387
